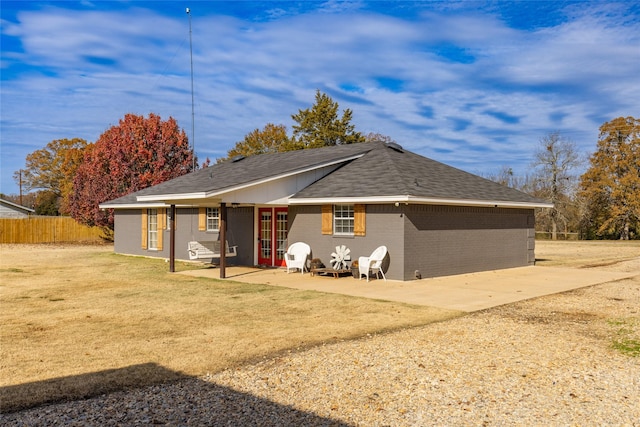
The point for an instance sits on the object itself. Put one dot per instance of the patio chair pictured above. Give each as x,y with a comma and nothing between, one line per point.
373,263
296,256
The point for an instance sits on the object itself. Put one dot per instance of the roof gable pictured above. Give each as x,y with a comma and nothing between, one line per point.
251,170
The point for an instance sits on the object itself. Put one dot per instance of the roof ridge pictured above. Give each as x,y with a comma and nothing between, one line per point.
399,173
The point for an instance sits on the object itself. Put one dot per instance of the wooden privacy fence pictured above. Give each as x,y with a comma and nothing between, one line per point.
46,229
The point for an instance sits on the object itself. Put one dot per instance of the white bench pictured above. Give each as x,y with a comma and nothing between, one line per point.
210,249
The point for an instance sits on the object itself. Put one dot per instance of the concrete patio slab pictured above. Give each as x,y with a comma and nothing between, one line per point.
465,292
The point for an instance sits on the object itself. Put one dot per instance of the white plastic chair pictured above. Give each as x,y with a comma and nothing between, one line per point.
372,264
296,256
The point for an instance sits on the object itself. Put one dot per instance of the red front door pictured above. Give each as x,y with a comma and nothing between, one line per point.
272,228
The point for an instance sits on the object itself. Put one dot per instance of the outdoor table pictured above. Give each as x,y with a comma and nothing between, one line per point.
327,271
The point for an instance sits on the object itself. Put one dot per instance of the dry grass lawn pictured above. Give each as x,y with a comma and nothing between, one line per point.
585,254
80,320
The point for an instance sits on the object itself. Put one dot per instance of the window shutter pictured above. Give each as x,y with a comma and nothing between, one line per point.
359,220
327,219
144,228
162,219
162,224
202,219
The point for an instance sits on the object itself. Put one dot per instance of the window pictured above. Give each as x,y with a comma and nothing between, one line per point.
153,222
152,229
213,219
343,220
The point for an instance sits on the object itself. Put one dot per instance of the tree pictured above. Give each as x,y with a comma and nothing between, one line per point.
137,153
320,126
52,169
47,203
26,200
503,176
378,137
271,139
611,185
555,160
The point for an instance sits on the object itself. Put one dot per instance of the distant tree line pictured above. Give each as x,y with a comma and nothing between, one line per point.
603,202
73,176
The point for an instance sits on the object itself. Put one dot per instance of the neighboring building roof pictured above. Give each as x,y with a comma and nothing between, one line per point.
10,209
366,173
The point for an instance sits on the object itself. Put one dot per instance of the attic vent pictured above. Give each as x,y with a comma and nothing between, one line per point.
237,158
395,146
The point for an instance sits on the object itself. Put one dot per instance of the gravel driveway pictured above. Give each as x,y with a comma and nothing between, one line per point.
545,361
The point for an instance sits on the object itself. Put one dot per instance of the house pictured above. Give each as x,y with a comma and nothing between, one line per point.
12,210
435,220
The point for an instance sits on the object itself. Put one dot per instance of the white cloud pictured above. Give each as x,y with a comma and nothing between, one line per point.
510,87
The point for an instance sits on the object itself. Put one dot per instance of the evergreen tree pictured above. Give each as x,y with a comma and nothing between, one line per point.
320,126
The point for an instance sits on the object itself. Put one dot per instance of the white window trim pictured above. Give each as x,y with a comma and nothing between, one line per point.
152,213
212,217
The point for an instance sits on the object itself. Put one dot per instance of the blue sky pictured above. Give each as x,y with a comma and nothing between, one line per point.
472,84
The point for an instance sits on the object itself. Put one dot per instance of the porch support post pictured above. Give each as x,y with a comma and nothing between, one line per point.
172,239
223,239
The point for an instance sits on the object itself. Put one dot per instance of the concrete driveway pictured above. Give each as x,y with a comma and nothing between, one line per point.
465,292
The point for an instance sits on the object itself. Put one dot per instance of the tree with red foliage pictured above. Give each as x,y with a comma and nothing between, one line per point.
137,153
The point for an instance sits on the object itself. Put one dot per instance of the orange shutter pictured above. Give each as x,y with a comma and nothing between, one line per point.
162,224
327,219
162,219
359,220
144,228
202,219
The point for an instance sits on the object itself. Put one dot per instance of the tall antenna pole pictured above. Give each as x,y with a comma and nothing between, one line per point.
193,126
21,187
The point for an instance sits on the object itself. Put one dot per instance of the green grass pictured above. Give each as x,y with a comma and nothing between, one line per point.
626,340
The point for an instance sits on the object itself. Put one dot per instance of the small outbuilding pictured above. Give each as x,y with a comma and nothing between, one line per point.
435,220
13,210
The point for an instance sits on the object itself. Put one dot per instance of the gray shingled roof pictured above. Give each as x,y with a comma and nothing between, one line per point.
227,175
391,171
383,170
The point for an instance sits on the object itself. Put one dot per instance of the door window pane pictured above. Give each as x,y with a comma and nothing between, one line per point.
265,235
281,234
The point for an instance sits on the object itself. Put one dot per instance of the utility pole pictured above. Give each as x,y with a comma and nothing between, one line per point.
193,126
20,173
